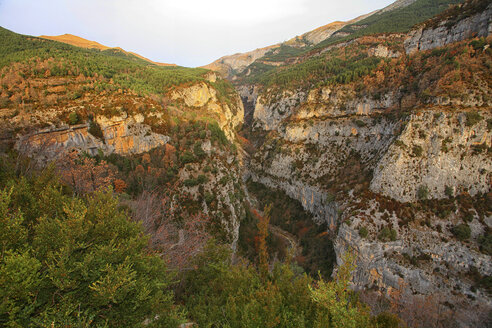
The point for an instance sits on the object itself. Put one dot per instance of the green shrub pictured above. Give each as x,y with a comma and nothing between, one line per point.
387,234
400,144
330,197
73,118
417,151
423,192
201,179
76,262
190,182
209,197
198,151
472,118
461,232
360,123
386,320
187,157
485,242
363,232
217,135
448,191
224,180
444,144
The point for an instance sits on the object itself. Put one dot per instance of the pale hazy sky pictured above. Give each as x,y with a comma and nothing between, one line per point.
185,32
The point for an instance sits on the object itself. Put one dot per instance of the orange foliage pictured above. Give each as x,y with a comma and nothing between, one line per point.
84,174
119,186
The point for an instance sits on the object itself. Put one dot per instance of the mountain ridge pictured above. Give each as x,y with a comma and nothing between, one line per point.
407,13
78,41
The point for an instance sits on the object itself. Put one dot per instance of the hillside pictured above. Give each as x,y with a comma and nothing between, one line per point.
397,17
385,139
57,98
339,179
83,43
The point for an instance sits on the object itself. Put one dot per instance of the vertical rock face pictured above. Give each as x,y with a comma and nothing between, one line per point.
382,264
314,143
49,143
203,96
128,135
393,188
249,97
268,114
426,38
121,134
436,150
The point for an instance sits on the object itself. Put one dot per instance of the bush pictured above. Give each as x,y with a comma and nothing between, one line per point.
198,151
187,157
76,262
461,232
423,192
472,118
360,123
387,234
417,151
73,118
202,179
485,242
209,197
190,182
400,144
217,134
363,232
386,320
448,191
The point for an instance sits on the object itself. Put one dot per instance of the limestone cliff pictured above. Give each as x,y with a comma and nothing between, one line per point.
227,66
330,159
120,135
450,30
395,175
204,97
434,152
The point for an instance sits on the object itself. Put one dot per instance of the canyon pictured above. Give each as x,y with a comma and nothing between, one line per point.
392,161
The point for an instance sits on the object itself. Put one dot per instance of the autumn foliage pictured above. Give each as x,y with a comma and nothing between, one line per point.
84,174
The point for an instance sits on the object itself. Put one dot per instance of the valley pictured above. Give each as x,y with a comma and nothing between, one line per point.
352,161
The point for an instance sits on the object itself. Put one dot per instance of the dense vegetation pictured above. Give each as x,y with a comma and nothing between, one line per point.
79,261
75,261
394,21
125,70
317,249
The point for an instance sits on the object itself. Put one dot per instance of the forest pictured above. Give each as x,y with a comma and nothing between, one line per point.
76,259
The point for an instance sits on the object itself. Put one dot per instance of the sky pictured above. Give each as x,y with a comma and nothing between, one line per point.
185,32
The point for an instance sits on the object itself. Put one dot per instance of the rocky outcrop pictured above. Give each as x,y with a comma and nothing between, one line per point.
425,38
421,260
229,114
227,66
268,114
434,152
120,134
437,151
128,135
197,95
